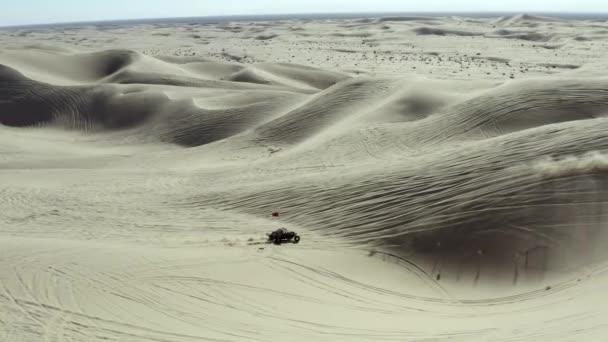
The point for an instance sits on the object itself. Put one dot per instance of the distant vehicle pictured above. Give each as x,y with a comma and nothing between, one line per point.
283,235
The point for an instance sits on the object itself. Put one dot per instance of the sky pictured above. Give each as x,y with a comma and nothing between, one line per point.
24,12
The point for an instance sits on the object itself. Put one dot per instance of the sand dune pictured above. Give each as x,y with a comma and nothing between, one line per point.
407,18
448,184
523,35
525,20
443,32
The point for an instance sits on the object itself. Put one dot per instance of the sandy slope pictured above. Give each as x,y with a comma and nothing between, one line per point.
447,176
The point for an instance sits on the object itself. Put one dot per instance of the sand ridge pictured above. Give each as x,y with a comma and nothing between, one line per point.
446,176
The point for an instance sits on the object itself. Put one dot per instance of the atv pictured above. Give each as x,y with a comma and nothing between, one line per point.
283,235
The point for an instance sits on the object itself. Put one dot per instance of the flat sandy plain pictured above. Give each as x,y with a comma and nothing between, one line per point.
447,176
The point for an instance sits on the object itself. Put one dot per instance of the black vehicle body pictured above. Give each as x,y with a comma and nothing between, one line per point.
283,235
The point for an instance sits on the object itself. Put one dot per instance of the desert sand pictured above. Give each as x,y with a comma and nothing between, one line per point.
447,176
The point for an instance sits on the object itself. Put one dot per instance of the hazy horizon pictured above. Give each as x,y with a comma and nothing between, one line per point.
38,12
319,15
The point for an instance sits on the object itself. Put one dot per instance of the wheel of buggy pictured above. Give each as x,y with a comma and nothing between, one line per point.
296,239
